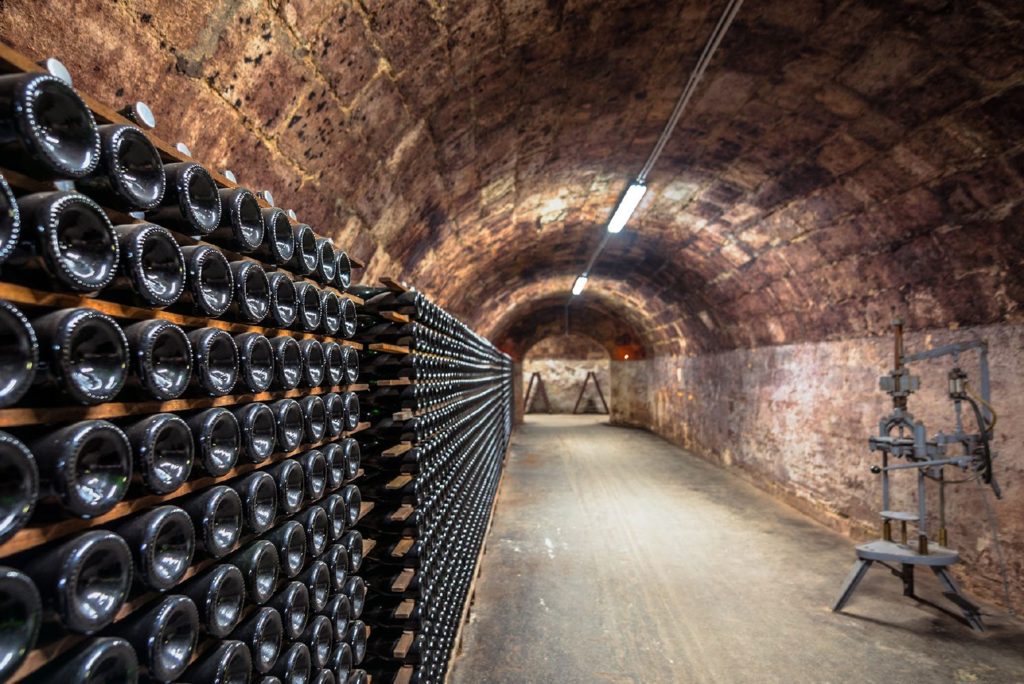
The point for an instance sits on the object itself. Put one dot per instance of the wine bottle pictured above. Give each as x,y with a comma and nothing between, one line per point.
103,659
392,611
317,578
217,438
287,362
356,639
229,663
334,368
190,203
330,307
83,581
353,500
241,224
252,291
278,239
337,559
259,431
263,633
21,606
334,410
163,449
214,361
83,352
334,458
87,466
216,514
303,260
163,636
255,361
348,315
283,300
294,665
20,485
292,601
350,402
314,472
339,610
46,130
340,662
19,353
161,359
309,311
312,353
326,268
336,516
314,415
290,541
152,265
353,457
290,424
258,492
10,220
219,595
163,542
130,174
342,271
350,362
316,524
355,589
261,567
384,642
353,543
209,285
319,637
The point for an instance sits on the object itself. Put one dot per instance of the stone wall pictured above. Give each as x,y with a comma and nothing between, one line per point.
630,393
563,362
795,419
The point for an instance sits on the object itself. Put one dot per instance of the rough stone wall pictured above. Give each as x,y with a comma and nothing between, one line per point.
563,362
630,390
795,419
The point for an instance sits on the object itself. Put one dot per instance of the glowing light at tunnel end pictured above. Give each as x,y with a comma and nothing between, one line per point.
630,201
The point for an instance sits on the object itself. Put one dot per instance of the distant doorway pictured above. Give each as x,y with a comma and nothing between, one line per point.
562,363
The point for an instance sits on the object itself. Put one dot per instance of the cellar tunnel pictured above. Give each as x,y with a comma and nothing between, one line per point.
840,164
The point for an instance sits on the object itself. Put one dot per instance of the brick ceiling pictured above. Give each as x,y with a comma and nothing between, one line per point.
842,160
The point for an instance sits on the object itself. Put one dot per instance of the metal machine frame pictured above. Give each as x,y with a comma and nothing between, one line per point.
900,436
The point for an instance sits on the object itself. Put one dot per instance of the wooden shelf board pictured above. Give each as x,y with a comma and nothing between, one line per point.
396,382
394,284
364,508
402,547
389,348
403,580
394,317
399,481
402,513
397,450
405,608
368,545
403,645
36,535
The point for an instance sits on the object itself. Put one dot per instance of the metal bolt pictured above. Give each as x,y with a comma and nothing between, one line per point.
56,68
292,215
230,175
183,148
266,197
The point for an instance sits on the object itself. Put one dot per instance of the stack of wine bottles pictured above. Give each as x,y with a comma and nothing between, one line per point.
440,415
177,383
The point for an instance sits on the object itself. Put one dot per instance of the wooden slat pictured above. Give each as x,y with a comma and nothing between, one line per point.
33,536
364,508
397,450
403,580
402,547
401,513
368,545
394,284
396,382
403,645
389,348
402,415
394,317
404,675
405,608
399,482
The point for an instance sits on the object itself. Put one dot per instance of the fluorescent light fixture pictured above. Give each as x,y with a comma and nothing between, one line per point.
634,193
581,282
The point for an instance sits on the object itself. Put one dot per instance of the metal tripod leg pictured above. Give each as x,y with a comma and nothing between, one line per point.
852,580
971,612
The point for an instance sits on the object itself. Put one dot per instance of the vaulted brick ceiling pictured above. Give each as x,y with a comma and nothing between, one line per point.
842,160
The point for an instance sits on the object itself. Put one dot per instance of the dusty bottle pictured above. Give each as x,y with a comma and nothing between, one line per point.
334,364
326,261
263,633
21,606
256,362
312,353
190,203
130,175
290,424
342,271
218,439
294,665
303,261
209,285
330,307
384,642
241,221
261,567
336,557
334,410
340,662
258,492
290,485
287,362
348,315
314,472
292,601
252,291
290,541
352,541
19,488
46,129
219,595
84,352
163,636
163,449
87,466
309,306
339,610
100,660
229,663
336,517
314,415
283,300
353,503
259,431
350,402
69,237
163,542
216,515
355,589
10,220
278,239
356,639
152,266
319,637
214,361
85,580
19,354
161,359
317,578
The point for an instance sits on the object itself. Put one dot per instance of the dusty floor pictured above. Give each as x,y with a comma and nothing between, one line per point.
616,557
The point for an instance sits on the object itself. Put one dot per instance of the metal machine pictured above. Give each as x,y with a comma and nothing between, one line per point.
905,445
